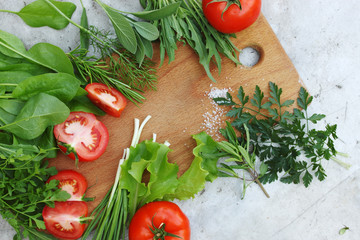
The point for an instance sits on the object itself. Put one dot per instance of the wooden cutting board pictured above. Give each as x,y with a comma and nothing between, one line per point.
181,106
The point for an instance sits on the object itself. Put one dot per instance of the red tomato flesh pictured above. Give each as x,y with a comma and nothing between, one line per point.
233,19
159,213
72,182
63,221
85,134
107,98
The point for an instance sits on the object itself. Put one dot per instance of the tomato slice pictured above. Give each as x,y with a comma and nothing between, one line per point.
159,220
64,220
72,182
84,134
107,98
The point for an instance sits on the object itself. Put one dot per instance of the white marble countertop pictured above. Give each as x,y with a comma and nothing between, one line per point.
322,39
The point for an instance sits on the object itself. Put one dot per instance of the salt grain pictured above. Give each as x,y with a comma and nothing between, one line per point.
214,117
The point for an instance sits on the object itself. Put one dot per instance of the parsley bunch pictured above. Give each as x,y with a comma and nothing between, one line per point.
281,138
23,191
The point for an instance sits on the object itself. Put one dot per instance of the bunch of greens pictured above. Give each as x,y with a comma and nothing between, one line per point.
190,26
280,139
38,90
130,191
126,67
23,190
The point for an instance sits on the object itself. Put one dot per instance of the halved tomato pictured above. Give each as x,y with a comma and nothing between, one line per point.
64,220
72,182
107,98
83,134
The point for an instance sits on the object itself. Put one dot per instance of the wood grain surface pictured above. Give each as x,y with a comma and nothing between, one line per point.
181,106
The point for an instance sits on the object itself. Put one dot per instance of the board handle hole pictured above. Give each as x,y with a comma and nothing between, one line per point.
250,56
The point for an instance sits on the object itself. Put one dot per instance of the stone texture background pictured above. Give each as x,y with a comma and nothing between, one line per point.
322,39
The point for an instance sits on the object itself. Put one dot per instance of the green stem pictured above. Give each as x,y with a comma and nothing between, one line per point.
8,11
8,84
256,179
7,96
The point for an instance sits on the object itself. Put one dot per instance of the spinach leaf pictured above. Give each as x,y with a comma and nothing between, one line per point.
43,54
60,85
50,56
5,138
11,46
38,113
6,117
40,14
30,68
12,106
83,104
10,79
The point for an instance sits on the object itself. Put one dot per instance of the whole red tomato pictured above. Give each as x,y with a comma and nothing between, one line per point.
161,221
226,16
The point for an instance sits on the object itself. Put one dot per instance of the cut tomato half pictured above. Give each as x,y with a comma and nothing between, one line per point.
82,135
72,182
107,98
64,220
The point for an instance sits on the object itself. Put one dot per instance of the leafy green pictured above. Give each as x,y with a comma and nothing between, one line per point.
8,42
131,34
190,26
43,54
40,14
84,36
122,27
60,85
38,113
23,190
50,56
157,14
83,103
280,138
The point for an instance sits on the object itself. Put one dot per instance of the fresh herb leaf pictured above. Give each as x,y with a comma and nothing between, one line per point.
61,85
40,14
280,137
38,113
122,27
84,36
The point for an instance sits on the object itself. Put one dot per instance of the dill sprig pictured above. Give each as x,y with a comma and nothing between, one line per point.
90,69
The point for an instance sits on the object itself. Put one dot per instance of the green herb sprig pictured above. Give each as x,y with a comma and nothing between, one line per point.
190,26
279,137
23,190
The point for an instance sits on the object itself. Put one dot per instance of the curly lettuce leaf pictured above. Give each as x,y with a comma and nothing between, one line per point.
150,159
